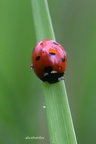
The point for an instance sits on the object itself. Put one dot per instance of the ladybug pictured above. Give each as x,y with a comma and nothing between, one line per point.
49,61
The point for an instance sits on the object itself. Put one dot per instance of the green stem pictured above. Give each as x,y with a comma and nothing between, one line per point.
42,20
61,130
59,118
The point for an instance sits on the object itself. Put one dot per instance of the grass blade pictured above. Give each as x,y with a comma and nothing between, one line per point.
42,20
61,130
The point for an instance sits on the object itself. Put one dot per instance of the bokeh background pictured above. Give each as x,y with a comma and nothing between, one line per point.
21,96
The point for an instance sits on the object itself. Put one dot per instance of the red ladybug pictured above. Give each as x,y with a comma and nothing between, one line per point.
49,61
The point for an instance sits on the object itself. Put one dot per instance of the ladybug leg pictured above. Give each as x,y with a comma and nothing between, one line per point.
31,66
45,74
61,78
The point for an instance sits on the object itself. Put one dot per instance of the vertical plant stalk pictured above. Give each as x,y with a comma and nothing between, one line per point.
42,20
59,118
60,125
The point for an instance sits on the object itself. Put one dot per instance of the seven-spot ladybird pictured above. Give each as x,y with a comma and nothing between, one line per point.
49,61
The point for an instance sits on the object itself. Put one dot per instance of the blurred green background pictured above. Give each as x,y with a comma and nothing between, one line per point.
21,96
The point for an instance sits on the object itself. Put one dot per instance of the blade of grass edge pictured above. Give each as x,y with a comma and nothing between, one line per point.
60,125
42,20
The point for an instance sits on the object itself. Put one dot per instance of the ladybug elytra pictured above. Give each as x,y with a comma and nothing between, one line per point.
49,61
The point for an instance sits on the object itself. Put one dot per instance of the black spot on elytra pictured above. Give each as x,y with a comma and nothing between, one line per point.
63,59
55,43
52,53
37,58
48,69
